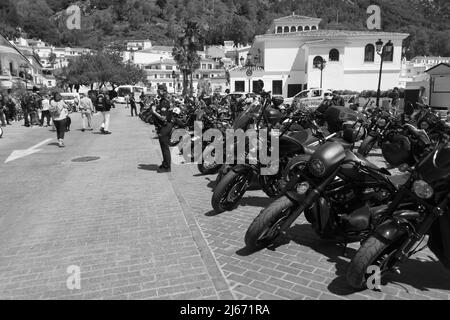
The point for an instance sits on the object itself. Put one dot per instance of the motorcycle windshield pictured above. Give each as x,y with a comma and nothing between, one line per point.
243,119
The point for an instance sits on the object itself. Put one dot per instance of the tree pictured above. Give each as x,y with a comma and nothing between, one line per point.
185,54
100,69
52,59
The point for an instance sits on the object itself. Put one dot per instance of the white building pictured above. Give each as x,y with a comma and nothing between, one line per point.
284,59
166,71
440,86
18,67
136,45
151,55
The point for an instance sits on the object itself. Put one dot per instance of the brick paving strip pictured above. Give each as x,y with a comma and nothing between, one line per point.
115,218
137,234
306,267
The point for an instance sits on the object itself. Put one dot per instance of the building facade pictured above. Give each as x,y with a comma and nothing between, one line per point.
439,91
18,67
287,59
166,71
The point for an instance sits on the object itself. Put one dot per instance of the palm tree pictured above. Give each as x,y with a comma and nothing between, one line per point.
185,54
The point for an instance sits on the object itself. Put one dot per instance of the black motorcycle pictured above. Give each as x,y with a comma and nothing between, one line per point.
293,141
251,118
421,207
336,190
381,122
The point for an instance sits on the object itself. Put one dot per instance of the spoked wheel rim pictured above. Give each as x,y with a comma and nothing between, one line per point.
235,191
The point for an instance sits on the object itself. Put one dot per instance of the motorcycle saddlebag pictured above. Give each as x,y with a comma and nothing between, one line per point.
439,242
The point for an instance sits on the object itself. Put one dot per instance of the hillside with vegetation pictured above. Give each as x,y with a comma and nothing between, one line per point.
106,21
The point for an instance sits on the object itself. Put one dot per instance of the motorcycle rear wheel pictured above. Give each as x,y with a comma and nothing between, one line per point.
373,252
265,228
229,191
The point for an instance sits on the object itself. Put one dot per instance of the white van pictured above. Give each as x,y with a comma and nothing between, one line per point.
124,91
310,98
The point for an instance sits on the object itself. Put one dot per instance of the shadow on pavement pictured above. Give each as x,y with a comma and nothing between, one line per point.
148,167
54,144
260,202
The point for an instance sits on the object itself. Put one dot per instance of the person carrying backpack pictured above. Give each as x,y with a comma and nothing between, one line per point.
103,105
59,112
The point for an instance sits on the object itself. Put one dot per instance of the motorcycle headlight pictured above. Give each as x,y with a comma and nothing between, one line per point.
381,122
302,188
423,190
317,167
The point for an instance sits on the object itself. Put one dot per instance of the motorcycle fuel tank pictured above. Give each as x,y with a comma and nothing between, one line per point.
326,159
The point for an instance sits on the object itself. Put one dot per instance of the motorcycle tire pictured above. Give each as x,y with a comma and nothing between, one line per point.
366,146
1,132
223,189
208,169
368,254
271,217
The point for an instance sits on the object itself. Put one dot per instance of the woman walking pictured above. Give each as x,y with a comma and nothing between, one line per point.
59,112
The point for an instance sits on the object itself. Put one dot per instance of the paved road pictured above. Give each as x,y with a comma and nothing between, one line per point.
137,234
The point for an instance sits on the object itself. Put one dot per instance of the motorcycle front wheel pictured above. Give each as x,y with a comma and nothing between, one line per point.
229,191
266,226
208,168
372,252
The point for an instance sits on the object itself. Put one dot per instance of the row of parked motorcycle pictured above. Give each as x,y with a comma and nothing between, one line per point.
344,196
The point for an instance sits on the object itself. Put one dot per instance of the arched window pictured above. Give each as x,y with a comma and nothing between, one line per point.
389,56
318,62
300,28
334,55
293,29
369,53
286,29
314,28
280,30
307,28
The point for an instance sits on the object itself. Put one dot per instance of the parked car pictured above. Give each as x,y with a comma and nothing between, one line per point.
311,98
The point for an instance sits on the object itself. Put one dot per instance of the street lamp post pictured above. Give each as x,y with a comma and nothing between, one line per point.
320,64
382,52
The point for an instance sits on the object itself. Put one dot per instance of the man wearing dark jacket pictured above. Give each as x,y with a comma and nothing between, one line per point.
103,105
163,122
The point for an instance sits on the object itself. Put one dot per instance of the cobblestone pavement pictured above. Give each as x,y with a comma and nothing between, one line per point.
136,234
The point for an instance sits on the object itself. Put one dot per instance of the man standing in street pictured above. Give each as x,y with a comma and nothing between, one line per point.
133,105
86,109
45,110
162,114
103,105
34,102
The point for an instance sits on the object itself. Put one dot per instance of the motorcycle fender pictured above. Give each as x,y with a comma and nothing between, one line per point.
390,231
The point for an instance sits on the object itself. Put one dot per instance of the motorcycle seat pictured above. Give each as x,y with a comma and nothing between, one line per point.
399,180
